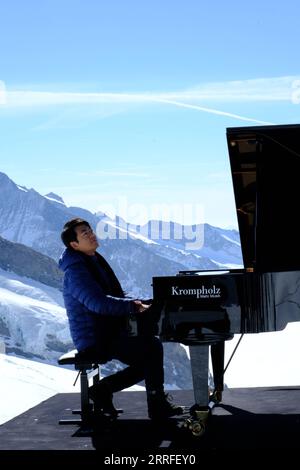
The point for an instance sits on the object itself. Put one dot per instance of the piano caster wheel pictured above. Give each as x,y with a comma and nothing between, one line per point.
197,421
197,428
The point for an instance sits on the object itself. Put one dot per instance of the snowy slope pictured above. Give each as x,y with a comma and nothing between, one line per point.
33,321
25,384
265,359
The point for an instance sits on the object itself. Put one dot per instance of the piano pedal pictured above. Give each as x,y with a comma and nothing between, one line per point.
185,409
216,397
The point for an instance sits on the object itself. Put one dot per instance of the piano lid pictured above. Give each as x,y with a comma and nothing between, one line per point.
265,167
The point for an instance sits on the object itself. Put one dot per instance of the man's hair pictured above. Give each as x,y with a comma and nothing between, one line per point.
69,234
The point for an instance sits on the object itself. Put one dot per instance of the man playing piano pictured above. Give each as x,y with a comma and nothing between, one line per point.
98,314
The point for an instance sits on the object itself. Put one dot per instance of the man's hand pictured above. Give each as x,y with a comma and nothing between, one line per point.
140,307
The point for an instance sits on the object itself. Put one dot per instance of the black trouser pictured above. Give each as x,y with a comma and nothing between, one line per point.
144,356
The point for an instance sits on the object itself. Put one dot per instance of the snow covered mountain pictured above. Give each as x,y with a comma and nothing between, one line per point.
36,221
31,219
219,246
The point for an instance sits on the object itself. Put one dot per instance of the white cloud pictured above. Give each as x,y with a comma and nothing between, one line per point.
260,89
253,90
277,89
214,111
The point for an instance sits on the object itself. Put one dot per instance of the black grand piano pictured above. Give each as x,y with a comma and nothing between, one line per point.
202,309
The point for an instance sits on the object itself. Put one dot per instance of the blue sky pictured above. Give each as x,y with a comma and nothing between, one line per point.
123,105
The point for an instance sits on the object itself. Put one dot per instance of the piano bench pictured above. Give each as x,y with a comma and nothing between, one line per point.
87,369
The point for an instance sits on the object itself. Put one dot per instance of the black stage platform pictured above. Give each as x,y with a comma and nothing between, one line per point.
248,418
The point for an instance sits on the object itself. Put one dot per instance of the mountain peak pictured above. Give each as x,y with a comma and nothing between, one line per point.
54,197
3,175
4,179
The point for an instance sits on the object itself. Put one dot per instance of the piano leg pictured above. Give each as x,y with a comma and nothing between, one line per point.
199,366
200,411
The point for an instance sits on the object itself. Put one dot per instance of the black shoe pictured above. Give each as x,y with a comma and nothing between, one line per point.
160,406
103,399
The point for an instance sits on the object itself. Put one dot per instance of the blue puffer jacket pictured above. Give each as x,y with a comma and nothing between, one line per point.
94,316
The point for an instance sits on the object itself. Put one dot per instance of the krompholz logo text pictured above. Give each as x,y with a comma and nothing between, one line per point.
200,292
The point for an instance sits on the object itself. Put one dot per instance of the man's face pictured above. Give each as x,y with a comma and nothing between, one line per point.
86,240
